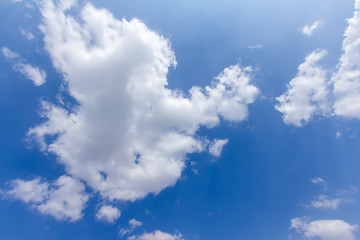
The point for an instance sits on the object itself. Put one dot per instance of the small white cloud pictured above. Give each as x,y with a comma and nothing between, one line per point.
318,180
157,235
307,93
133,223
27,34
35,74
338,134
308,30
324,229
215,148
64,199
108,214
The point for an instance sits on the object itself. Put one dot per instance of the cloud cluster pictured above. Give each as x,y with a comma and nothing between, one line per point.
35,74
64,199
324,229
312,92
129,134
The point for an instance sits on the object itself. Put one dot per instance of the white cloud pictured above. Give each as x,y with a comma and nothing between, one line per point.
307,93
324,229
347,79
330,199
27,34
33,191
64,199
35,74
108,214
323,201
129,135
157,235
215,148
133,224
308,30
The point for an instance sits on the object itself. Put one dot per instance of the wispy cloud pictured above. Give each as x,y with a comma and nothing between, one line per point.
133,224
27,34
257,46
33,73
157,235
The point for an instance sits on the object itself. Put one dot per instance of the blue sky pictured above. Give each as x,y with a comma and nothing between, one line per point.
179,120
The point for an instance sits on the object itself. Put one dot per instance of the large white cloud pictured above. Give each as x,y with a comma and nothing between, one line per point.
307,93
157,235
324,229
64,199
347,78
129,135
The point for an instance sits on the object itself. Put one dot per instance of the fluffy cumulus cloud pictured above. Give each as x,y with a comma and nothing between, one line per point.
129,134
324,229
308,30
108,213
157,235
64,199
347,79
33,73
307,93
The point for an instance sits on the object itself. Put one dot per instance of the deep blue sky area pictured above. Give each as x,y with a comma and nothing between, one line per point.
270,173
